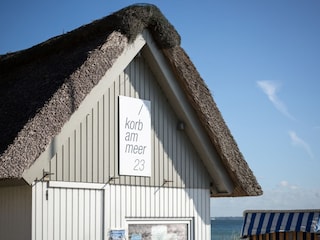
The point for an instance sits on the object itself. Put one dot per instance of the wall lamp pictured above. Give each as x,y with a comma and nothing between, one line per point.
181,125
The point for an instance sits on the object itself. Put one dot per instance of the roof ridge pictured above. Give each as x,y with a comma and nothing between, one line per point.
130,21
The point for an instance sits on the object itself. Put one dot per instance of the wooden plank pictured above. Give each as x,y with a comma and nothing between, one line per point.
92,214
59,168
53,167
100,139
50,212
99,226
294,235
83,154
281,236
81,214
39,211
268,236
148,202
86,217
156,167
68,214
77,154
308,236
72,158
287,236
112,132
75,214
95,142
56,214
106,143
65,161
89,146
63,213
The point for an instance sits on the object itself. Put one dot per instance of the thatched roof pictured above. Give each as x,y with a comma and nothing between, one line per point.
36,85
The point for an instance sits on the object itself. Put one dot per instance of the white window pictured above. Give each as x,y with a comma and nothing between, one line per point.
160,229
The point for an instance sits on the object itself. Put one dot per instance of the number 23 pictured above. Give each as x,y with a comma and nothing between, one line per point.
139,165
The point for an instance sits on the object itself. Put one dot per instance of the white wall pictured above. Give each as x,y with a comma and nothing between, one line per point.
125,203
66,213
90,211
90,152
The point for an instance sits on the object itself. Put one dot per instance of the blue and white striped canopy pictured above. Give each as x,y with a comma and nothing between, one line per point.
262,222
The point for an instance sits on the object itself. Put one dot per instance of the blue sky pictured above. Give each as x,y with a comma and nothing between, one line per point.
261,61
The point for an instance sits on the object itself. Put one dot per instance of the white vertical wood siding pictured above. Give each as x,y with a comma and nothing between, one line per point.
83,213
66,213
15,213
123,203
90,153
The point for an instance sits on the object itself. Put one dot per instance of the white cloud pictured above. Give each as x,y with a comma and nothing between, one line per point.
285,184
270,88
299,142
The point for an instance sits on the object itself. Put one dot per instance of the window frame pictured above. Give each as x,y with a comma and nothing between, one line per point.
163,221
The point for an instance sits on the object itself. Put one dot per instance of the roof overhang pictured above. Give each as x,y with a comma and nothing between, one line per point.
222,183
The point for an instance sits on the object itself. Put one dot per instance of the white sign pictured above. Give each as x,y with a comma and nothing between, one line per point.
134,137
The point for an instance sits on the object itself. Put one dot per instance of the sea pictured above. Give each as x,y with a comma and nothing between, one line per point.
226,228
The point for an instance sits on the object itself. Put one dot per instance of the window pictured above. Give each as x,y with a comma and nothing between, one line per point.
159,230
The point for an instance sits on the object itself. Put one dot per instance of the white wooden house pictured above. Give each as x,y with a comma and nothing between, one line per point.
109,132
